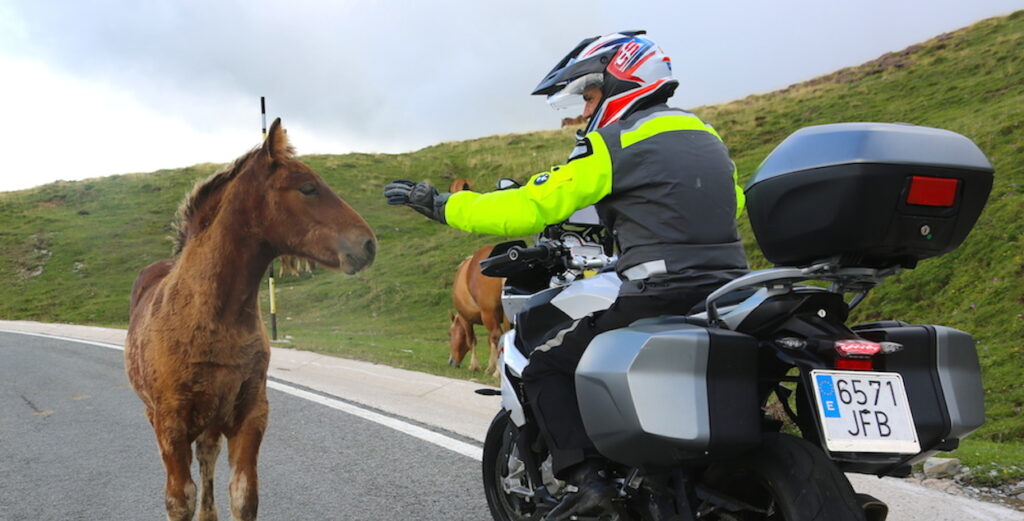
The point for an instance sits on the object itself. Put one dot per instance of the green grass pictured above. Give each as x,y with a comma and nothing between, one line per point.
991,463
70,251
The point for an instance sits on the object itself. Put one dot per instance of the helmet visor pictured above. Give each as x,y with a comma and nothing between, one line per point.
572,94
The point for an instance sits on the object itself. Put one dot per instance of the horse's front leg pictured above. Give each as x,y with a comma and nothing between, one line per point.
207,450
493,325
176,451
474,363
492,362
243,451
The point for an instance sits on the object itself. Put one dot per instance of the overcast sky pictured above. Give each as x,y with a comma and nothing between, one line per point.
100,87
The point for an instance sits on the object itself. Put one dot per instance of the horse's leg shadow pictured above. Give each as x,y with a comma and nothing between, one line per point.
243,449
176,451
207,450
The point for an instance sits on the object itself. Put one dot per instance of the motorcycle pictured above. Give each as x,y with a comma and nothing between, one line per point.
681,406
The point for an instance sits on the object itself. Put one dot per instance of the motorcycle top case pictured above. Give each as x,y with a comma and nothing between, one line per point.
874,194
663,392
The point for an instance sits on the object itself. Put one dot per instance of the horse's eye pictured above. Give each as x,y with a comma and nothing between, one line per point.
308,189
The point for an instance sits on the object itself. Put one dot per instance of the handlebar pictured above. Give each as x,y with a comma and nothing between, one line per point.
543,251
514,257
510,258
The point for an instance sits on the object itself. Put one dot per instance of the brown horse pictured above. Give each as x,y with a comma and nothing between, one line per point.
477,300
459,185
197,351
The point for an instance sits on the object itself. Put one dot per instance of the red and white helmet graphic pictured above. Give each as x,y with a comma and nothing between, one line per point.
628,68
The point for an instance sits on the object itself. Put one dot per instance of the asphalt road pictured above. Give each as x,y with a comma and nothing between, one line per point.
75,445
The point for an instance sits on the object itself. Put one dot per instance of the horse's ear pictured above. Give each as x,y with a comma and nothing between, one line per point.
451,317
276,147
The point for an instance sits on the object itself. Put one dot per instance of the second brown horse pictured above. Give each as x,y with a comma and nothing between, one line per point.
477,300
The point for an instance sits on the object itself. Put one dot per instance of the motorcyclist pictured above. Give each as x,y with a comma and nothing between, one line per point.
662,182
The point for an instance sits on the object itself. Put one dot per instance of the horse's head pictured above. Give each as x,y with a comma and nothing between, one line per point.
461,337
300,215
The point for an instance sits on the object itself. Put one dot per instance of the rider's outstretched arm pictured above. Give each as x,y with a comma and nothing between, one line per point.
547,198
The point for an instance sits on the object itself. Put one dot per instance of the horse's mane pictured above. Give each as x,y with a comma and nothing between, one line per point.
200,193
279,149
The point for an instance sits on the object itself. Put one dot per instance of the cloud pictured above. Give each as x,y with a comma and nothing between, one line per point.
69,129
405,72
371,75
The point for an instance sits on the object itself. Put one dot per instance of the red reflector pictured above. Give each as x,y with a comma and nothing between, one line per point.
855,364
932,191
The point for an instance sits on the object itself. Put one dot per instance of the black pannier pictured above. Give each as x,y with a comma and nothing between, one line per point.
874,194
942,375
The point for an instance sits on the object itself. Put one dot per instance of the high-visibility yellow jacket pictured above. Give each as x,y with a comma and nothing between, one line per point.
661,179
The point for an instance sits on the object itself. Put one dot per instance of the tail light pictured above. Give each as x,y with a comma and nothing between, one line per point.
857,348
855,364
855,354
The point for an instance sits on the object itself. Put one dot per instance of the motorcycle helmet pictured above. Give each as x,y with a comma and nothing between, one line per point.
628,68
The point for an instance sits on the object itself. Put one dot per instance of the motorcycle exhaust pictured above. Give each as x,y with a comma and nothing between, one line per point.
874,508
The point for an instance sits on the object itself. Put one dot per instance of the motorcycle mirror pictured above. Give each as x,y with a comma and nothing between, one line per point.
506,184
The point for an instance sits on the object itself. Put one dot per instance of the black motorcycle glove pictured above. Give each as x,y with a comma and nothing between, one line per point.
422,197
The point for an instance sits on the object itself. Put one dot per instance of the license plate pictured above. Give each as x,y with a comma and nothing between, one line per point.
864,412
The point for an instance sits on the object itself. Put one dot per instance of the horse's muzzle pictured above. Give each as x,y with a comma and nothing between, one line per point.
359,260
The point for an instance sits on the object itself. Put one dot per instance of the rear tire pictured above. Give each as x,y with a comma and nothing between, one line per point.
499,454
789,477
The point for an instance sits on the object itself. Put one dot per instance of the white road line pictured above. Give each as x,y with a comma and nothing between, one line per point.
452,444
461,447
67,339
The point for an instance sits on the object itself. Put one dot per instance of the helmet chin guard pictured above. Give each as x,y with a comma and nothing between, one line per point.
619,106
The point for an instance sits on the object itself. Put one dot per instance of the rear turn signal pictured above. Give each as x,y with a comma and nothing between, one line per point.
932,191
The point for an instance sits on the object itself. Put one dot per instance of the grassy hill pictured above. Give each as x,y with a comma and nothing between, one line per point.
69,251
